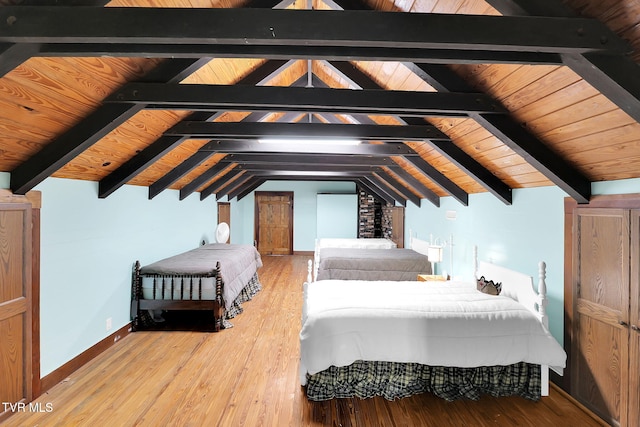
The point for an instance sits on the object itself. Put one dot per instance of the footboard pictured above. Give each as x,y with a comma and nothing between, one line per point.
151,291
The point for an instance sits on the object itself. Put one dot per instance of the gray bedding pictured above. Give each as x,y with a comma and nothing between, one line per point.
371,264
238,264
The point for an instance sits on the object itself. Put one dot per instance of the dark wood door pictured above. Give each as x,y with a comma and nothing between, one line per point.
15,304
224,214
600,350
274,222
397,225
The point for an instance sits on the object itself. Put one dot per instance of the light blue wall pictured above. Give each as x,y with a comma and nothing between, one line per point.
337,216
88,247
304,210
516,236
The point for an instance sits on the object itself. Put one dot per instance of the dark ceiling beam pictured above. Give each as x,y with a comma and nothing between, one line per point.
260,27
383,190
320,100
614,75
136,164
448,149
397,186
248,186
91,129
220,182
236,183
178,172
449,186
548,163
300,131
375,192
242,146
427,193
435,56
514,136
14,54
154,151
363,169
205,177
316,159
532,8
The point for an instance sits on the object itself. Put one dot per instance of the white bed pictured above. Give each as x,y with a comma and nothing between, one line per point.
437,323
355,243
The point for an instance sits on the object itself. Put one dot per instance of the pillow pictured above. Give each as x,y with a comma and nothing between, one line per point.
488,286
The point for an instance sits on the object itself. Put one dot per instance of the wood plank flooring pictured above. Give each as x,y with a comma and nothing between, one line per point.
248,376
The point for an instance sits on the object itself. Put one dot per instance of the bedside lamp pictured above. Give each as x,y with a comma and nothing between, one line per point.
434,253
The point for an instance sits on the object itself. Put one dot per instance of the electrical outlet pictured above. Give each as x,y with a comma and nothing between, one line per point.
108,323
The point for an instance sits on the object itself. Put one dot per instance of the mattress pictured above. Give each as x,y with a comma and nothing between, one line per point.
238,264
371,264
431,323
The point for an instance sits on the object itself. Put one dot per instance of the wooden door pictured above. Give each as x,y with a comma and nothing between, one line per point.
601,312
15,304
397,225
634,321
274,222
224,214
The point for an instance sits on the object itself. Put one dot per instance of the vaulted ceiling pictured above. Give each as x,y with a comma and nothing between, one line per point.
449,97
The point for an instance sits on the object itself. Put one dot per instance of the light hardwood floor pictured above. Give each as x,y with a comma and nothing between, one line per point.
248,376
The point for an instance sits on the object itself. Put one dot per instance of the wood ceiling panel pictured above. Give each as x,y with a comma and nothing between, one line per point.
223,71
168,162
420,176
211,161
45,96
557,79
118,146
623,17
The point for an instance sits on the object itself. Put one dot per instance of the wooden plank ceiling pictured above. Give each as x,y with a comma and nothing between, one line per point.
449,98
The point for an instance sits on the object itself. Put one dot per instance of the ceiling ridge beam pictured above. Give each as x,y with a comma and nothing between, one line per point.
90,130
43,24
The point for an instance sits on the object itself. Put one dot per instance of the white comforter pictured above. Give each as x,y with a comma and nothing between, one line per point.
433,323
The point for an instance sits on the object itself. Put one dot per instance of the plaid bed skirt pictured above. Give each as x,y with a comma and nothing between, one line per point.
397,380
247,293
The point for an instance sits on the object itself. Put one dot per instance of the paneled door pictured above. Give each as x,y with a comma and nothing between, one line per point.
274,222
600,350
15,304
634,321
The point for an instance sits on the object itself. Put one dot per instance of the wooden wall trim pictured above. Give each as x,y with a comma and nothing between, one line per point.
83,358
614,201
